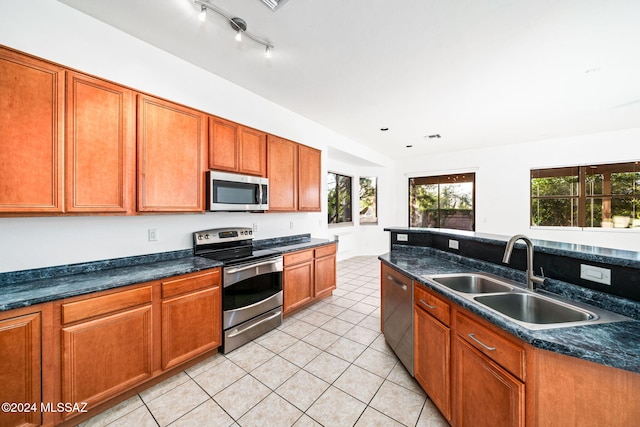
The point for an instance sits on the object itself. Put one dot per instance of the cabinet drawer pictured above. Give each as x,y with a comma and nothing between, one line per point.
507,354
190,283
325,251
298,257
433,305
79,310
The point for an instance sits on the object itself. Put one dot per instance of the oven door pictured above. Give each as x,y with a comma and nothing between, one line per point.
251,289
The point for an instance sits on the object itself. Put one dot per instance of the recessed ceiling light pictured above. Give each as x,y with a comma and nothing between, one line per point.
409,146
434,136
384,129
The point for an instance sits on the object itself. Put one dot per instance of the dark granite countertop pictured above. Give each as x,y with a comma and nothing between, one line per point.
611,344
30,287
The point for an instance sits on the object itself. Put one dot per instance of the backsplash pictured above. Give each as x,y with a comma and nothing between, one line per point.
556,261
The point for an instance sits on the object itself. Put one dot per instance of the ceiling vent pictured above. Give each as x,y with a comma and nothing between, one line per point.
274,4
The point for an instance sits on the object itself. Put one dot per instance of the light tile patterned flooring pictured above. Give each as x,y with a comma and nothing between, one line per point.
328,365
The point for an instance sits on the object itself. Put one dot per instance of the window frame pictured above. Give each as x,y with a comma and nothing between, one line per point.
342,223
444,179
584,199
375,203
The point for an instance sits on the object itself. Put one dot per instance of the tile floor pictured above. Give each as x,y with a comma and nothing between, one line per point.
328,365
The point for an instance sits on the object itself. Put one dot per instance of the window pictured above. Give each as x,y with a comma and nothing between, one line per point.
445,201
368,200
586,196
339,198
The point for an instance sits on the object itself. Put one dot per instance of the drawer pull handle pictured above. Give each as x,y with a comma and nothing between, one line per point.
423,302
481,343
397,282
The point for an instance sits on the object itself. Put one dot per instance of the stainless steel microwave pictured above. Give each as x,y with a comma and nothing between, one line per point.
235,192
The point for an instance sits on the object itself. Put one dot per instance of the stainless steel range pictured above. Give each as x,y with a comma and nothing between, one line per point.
251,283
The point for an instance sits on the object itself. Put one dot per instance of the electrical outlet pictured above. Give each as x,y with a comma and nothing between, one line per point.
454,244
255,227
595,274
290,224
153,234
402,237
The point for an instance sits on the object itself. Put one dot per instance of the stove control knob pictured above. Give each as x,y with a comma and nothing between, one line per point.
199,236
207,236
250,231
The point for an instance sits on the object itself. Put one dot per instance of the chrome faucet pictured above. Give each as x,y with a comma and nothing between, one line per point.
532,279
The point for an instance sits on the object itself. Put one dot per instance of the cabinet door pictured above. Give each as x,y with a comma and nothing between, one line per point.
431,363
31,132
191,325
171,155
282,171
223,145
324,271
252,155
104,357
297,286
309,179
20,368
486,394
100,146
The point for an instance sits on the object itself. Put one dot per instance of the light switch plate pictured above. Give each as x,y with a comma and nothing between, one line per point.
595,274
402,237
454,244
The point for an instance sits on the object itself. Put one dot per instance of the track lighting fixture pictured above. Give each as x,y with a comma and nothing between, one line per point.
238,24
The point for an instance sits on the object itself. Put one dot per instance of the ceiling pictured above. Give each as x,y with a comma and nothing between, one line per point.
478,73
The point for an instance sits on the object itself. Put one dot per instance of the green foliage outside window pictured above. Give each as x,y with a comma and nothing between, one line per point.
339,198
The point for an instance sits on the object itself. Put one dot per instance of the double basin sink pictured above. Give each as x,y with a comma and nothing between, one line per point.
529,309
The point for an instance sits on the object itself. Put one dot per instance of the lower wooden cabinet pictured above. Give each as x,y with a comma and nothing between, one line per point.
308,275
487,395
20,378
324,267
191,321
113,341
106,354
432,349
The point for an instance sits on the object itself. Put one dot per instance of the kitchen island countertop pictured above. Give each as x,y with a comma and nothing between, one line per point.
612,344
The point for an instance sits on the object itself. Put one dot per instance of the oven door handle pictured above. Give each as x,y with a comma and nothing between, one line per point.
249,267
242,331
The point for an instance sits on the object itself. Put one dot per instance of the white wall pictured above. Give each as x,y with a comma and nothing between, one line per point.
55,32
502,182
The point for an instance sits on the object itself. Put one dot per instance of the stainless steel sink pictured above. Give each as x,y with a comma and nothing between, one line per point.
472,283
534,309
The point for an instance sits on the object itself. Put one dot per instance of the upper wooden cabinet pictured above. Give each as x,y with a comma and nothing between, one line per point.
171,156
31,132
236,148
282,171
100,146
309,178
294,173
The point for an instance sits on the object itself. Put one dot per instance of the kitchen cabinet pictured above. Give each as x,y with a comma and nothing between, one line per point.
236,148
309,179
100,146
31,135
308,276
489,377
106,345
191,317
294,173
282,171
20,367
324,268
432,347
297,280
171,156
